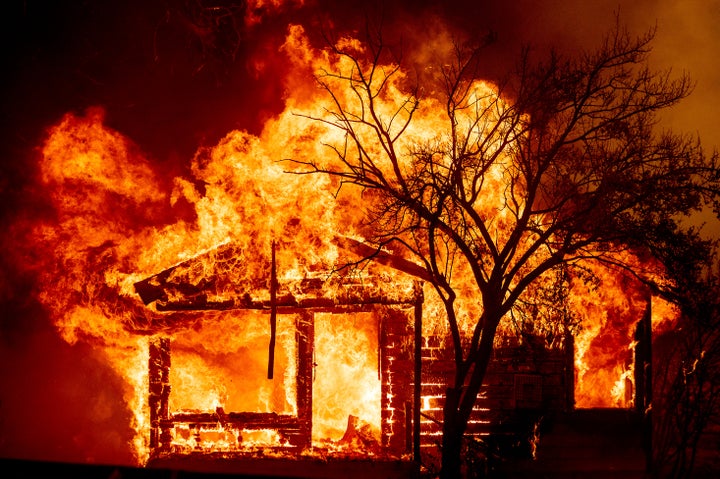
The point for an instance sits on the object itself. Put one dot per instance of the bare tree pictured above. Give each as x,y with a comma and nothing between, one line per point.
559,164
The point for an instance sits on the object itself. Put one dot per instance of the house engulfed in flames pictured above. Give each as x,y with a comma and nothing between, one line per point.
272,323
324,364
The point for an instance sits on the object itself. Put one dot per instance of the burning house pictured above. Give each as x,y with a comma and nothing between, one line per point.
282,323
330,364
215,297
255,346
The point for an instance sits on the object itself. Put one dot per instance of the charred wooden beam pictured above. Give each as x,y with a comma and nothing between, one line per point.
159,390
196,303
151,289
386,429
273,313
155,287
172,320
240,420
417,377
383,257
305,334
282,304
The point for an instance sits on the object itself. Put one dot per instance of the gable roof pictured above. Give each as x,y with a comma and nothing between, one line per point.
223,279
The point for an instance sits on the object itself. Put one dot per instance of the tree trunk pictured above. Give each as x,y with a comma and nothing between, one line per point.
459,403
453,430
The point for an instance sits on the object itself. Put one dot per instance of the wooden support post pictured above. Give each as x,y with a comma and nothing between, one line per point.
159,391
386,418
305,331
273,314
417,389
399,392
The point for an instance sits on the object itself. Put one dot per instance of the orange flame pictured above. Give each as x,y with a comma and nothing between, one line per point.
110,233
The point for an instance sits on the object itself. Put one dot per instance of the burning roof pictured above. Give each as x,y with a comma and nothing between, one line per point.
216,280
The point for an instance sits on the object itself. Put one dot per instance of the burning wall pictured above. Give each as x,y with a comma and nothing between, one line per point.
326,380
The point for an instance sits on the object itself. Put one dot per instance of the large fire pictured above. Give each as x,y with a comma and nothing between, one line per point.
111,232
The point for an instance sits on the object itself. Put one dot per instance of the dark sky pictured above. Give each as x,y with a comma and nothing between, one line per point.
171,83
